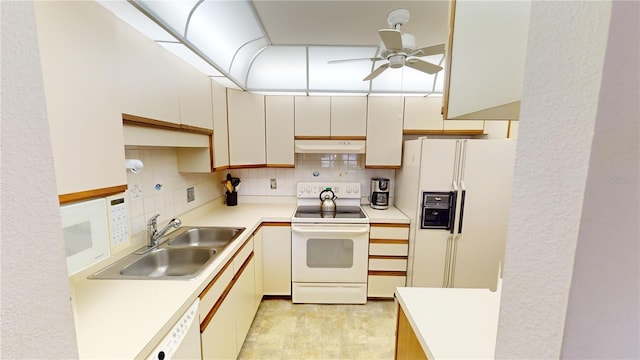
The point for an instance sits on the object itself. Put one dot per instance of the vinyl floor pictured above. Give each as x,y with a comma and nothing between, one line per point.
282,330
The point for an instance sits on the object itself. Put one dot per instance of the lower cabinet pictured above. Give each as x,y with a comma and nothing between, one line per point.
228,306
407,344
388,254
276,257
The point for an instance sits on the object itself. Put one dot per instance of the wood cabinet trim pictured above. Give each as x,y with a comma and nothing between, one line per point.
204,292
444,132
382,167
449,56
287,166
91,194
302,137
407,344
387,273
207,319
389,241
247,166
396,225
388,257
134,120
275,223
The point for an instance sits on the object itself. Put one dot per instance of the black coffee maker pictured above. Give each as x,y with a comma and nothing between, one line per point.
379,198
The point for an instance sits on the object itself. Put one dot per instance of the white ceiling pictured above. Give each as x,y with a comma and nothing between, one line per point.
355,22
284,46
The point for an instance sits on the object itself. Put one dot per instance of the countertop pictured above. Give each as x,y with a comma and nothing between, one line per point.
452,323
124,319
389,216
120,319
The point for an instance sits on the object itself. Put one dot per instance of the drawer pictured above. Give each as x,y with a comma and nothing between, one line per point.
384,286
243,254
389,232
400,249
388,264
216,287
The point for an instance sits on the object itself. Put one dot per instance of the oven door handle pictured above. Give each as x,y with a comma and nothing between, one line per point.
329,229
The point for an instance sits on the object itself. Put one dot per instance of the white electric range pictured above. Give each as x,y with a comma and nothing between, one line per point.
329,249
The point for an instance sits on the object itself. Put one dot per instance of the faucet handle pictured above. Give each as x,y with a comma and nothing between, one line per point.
153,220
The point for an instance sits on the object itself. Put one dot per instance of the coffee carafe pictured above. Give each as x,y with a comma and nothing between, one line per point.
379,198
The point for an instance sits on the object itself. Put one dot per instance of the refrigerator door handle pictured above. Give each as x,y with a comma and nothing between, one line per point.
464,195
452,211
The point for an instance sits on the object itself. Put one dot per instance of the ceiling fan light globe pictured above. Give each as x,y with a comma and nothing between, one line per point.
396,61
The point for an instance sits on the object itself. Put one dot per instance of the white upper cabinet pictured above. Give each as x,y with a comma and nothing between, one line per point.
279,119
246,129
77,43
195,96
423,113
220,126
312,116
326,117
349,117
147,76
486,54
384,132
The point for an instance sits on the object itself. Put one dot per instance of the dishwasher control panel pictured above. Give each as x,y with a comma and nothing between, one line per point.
168,346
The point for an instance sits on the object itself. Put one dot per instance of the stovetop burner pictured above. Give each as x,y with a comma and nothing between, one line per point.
342,212
347,200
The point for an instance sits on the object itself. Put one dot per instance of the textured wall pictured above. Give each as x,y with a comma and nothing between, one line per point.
603,318
37,320
563,70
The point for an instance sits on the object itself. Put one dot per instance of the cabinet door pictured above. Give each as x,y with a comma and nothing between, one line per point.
147,77
279,119
276,257
220,126
407,344
423,113
244,296
384,132
80,89
482,57
259,265
219,336
313,116
463,125
195,96
349,117
246,128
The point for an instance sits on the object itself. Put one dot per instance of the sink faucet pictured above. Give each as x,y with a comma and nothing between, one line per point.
154,235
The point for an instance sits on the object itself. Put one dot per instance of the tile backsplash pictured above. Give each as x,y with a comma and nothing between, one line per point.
160,189
309,168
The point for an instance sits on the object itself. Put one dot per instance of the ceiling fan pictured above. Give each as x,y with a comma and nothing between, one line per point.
399,49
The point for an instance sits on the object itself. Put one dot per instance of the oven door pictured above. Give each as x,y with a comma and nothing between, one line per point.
325,253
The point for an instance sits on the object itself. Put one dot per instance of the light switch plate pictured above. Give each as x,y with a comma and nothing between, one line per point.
191,194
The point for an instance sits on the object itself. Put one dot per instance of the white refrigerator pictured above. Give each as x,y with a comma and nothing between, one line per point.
457,193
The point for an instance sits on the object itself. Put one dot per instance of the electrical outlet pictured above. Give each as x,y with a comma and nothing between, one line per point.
191,194
273,183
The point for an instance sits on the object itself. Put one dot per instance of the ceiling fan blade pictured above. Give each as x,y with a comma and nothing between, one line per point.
376,72
429,50
349,60
391,38
423,66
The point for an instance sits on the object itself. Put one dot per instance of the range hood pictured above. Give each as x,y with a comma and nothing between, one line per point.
329,146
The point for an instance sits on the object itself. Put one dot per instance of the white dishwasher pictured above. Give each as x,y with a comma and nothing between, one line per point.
183,340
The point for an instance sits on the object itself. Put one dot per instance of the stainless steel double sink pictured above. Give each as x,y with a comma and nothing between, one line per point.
182,255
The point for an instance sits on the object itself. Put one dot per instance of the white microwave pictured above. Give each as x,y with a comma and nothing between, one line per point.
90,227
